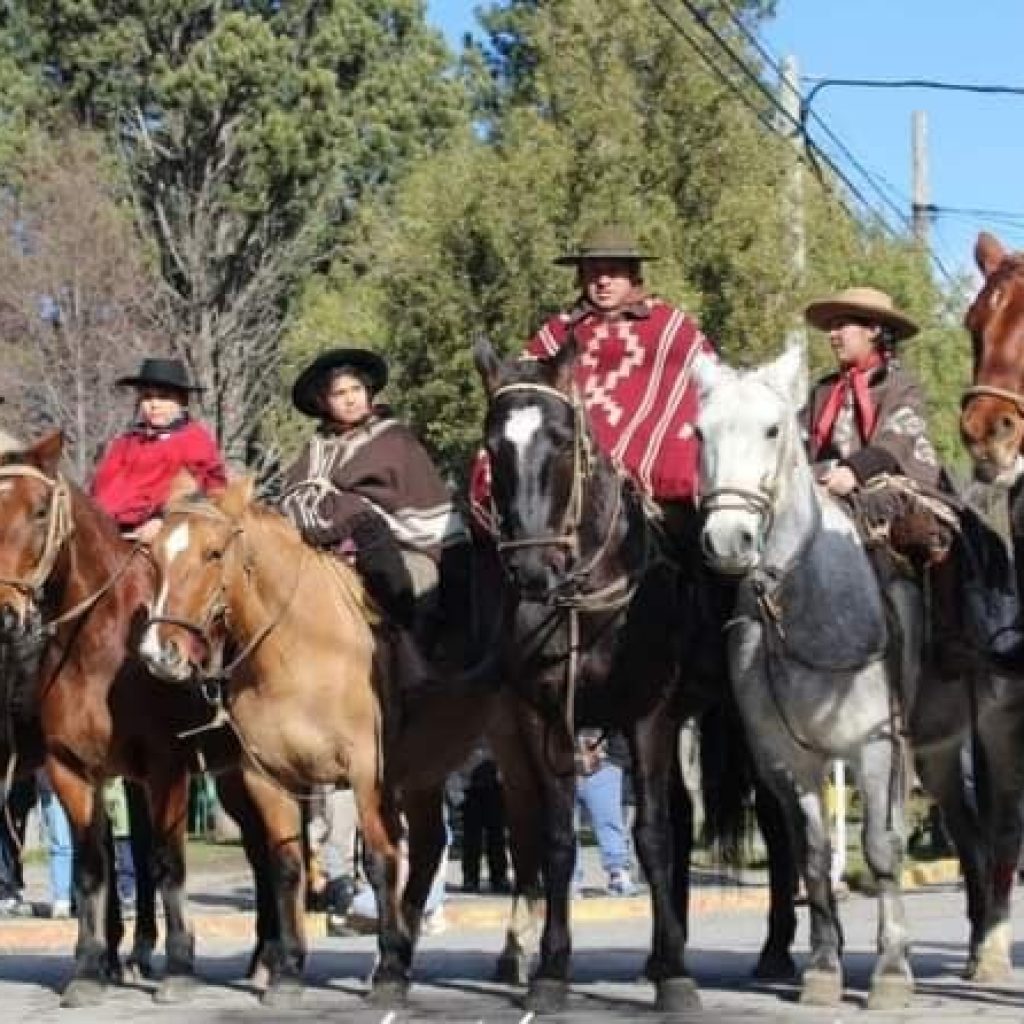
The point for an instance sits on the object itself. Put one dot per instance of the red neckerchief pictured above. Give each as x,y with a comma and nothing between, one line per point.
855,378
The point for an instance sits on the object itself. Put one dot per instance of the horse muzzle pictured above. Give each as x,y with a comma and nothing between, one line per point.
730,542
19,616
170,658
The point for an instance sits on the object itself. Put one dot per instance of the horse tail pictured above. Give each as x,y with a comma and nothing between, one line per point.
727,778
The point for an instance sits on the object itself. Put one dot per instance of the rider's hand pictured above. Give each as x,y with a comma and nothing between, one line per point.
840,481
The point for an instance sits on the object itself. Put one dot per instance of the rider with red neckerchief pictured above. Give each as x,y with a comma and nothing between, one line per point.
868,439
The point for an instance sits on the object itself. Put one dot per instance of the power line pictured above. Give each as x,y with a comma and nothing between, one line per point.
814,150
913,83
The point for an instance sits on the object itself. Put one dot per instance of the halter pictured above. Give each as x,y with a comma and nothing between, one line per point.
759,502
59,529
1015,398
216,610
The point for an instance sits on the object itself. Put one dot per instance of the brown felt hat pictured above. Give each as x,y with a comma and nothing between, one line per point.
871,304
610,242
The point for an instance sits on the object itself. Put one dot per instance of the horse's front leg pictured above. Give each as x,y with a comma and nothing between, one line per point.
168,798
140,829
882,786
428,837
799,788
521,796
280,841
776,960
663,832
92,871
551,746
235,799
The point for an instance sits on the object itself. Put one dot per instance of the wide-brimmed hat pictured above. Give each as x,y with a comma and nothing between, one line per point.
610,242
364,362
870,303
162,373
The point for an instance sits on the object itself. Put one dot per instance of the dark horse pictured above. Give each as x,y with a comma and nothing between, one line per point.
73,595
602,623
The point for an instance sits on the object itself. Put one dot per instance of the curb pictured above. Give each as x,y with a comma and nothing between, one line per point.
44,935
36,935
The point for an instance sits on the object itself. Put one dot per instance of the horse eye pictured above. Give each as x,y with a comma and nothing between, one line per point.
41,513
772,432
212,554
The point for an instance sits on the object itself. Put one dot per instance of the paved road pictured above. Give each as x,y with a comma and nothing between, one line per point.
453,974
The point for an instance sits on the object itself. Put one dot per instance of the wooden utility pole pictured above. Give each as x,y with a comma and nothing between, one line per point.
921,206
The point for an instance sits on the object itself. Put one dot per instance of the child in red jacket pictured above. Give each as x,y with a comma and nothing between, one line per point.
133,479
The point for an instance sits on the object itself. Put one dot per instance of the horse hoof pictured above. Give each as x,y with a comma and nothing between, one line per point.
992,971
676,995
175,988
511,970
388,993
283,994
821,988
137,971
259,976
82,992
546,996
775,967
891,992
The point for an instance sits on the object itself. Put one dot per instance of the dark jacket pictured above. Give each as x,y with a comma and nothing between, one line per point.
899,443
379,467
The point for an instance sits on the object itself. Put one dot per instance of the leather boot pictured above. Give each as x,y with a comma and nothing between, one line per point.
379,562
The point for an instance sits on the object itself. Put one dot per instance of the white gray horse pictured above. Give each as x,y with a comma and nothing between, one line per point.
815,674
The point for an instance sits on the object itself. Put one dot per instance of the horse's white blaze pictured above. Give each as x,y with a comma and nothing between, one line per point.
521,428
176,543
1008,477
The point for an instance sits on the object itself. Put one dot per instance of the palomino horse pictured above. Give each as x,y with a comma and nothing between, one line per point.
808,649
596,642
73,594
310,690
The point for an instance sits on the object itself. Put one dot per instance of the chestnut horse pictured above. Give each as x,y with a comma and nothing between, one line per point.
73,595
311,689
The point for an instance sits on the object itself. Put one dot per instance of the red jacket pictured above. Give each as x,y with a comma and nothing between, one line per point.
133,479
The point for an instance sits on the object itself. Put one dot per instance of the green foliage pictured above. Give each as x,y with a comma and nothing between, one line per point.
598,111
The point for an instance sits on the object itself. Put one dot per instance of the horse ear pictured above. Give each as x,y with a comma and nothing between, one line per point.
46,454
708,372
562,364
788,374
183,486
237,497
488,364
989,253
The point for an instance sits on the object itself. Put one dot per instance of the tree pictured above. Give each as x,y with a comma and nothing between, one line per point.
75,297
596,110
251,132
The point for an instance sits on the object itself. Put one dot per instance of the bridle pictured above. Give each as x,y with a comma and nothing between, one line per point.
759,502
60,528
1015,398
569,590
216,610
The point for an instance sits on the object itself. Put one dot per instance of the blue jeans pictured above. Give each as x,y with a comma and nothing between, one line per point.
59,842
601,795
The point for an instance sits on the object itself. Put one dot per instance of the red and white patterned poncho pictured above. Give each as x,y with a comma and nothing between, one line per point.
635,373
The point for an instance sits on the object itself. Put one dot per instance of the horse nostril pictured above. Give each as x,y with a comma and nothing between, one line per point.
9,618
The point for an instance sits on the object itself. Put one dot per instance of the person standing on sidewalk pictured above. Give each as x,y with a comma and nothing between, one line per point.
60,847
13,819
600,761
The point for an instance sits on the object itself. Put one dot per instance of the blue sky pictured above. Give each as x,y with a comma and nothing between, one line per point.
976,142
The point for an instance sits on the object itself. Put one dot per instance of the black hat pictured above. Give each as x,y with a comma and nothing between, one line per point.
162,373
364,362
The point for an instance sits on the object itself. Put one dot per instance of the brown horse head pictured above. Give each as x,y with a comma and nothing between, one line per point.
199,553
35,523
992,422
